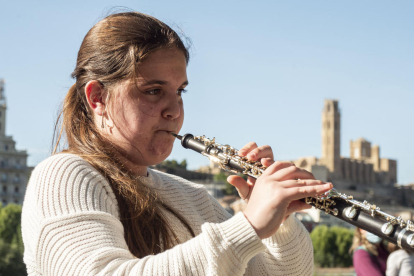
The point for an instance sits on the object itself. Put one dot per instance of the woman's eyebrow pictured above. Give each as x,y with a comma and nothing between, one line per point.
160,82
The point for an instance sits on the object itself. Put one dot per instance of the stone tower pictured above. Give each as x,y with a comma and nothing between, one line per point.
14,172
331,141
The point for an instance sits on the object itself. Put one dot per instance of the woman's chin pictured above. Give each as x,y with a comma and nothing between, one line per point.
156,157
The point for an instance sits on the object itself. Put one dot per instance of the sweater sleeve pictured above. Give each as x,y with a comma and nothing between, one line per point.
288,252
71,226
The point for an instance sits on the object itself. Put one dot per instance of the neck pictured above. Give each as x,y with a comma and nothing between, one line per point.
134,168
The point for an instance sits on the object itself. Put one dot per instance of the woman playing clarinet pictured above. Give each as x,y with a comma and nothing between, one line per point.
95,208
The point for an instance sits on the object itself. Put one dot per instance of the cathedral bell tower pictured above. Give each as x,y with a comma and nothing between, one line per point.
331,132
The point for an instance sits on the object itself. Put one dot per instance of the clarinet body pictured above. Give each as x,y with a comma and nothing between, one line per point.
361,214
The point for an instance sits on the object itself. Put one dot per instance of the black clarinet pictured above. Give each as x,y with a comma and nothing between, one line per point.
361,214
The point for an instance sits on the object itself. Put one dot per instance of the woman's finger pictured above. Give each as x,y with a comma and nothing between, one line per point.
267,162
292,172
260,152
301,182
277,166
251,181
306,191
243,188
296,206
247,148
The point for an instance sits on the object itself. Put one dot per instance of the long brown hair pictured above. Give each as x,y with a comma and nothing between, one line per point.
110,53
360,240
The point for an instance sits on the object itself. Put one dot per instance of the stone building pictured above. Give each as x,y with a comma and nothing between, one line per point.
14,172
364,174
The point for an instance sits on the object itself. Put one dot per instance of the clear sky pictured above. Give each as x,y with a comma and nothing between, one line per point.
259,71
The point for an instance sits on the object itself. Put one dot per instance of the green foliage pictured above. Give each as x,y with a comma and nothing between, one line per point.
183,164
331,245
10,217
11,244
172,164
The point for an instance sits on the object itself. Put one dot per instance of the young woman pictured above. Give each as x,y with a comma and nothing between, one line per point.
97,209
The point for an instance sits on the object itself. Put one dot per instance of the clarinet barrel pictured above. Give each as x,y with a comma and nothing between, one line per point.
361,214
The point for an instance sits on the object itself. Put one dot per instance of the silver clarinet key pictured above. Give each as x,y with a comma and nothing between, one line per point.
350,212
387,228
410,240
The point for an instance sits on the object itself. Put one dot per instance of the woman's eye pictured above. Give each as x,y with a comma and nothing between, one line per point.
153,91
181,91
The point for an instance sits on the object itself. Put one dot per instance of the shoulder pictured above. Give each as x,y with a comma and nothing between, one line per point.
398,255
65,183
62,164
361,253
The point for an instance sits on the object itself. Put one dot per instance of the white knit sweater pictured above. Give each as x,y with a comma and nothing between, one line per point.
71,226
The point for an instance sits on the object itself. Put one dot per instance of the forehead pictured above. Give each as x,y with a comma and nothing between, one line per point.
163,63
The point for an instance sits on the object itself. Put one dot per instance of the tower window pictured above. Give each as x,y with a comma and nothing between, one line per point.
16,189
6,147
4,188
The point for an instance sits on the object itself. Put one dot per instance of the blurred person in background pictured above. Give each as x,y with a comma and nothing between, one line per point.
400,262
369,254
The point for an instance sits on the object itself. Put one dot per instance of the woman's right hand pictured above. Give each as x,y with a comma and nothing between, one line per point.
276,195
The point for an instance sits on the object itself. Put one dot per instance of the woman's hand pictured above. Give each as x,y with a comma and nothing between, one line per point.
263,154
276,194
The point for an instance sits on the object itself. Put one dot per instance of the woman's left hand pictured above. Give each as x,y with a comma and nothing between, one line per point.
264,155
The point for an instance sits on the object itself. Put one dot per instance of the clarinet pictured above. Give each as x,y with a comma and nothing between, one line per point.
361,214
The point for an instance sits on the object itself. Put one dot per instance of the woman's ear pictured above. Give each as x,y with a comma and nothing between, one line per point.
94,93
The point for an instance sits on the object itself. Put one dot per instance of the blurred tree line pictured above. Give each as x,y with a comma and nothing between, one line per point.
331,246
11,243
172,164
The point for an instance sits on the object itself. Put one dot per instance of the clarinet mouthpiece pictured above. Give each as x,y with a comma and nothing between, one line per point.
179,137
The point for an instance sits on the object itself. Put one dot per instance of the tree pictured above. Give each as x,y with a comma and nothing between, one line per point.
183,164
10,217
331,245
11,244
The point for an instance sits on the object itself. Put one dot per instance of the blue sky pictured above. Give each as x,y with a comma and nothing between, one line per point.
259,71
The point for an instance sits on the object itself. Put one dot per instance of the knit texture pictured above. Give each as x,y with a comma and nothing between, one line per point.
71,226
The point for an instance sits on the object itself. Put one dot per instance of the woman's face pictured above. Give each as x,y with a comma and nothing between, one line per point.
146,112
